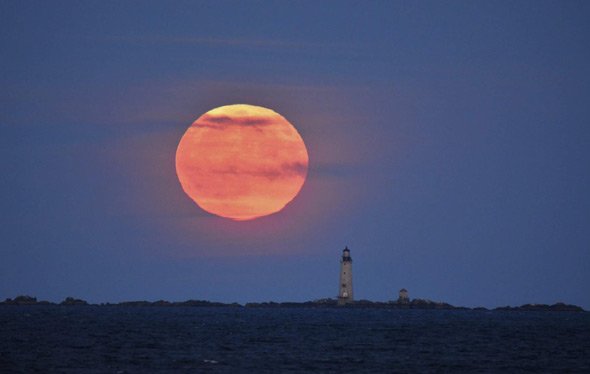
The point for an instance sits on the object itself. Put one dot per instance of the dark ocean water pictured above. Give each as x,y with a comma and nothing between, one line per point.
161,339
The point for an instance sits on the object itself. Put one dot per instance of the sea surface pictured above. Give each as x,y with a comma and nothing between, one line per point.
111,339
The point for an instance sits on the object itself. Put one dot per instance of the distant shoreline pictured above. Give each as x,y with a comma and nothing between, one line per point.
415,304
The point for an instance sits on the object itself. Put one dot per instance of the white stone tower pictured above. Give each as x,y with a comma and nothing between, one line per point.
345,286
403,298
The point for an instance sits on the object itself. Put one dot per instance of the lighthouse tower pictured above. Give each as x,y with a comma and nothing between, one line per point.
345,286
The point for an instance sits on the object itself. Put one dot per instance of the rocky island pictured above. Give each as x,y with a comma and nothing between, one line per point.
416,304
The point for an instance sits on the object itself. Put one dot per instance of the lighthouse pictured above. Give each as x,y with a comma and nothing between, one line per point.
345,286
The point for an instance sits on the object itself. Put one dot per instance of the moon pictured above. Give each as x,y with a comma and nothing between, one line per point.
241,162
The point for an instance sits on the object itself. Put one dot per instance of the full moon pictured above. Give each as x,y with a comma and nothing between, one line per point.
241,162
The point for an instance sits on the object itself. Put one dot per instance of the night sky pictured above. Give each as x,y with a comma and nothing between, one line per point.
449,149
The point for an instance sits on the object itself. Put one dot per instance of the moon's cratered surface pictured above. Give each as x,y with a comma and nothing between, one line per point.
241,161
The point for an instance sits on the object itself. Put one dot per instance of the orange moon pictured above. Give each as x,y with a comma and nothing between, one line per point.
241,162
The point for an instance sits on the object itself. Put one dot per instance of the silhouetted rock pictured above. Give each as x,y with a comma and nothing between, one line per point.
72,301
202,303
325,301
359,304
187,303
24,300
319,303
429,304
562,307
133,303
558,307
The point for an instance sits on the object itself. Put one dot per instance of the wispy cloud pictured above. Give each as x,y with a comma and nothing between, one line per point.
282,171
223,122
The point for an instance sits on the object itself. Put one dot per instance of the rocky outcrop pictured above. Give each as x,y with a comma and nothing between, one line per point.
418,304
25,300
557,307
326,303
188,303
320,303
72,301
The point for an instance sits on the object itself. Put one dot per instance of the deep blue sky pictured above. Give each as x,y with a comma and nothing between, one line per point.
449,148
